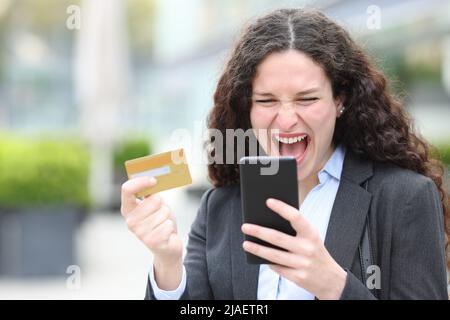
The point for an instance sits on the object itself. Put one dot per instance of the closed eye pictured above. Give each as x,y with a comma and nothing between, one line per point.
302,101
265,101
308,99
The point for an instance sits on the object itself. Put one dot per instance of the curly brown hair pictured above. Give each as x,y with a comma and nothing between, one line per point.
375,123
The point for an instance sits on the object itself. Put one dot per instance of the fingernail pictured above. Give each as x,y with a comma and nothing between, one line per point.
270,201
152,180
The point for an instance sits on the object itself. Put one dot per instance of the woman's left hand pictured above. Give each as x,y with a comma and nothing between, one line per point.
307,262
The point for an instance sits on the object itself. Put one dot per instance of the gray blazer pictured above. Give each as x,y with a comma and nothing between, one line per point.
406,235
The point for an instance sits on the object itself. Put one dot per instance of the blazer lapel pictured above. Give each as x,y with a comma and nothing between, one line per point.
349,211
244,276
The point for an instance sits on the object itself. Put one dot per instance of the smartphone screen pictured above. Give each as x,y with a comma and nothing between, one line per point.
262,178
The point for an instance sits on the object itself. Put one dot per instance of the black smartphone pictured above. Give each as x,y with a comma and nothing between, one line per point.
262,178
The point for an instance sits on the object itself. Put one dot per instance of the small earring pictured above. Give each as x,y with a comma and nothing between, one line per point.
342,110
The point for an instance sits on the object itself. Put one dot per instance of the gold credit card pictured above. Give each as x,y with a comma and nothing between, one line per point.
169,168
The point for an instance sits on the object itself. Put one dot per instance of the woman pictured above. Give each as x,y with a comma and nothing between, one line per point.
368,189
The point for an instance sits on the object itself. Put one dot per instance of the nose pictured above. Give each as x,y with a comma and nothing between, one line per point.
286,118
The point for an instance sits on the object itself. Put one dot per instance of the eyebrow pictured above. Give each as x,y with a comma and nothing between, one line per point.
300,93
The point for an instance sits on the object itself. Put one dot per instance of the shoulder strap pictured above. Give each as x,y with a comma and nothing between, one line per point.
365,251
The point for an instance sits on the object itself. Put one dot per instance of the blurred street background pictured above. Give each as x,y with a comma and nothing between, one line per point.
88,84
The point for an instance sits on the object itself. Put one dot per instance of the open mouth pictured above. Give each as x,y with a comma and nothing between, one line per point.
292,144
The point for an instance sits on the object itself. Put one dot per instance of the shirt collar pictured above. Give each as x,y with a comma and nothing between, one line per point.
333,167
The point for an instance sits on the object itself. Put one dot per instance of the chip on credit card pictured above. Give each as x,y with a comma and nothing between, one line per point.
169,168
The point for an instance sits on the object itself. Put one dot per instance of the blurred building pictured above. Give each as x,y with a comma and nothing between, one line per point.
174,75
177,50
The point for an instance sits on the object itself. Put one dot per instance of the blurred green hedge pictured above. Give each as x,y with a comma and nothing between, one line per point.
43,172
444,153
130,149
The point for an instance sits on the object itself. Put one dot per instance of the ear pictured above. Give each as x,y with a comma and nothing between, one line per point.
339,104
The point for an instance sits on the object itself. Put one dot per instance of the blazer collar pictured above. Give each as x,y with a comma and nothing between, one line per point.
345,228
350,210
357,168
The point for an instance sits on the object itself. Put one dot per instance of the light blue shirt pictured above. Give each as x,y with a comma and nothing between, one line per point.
316,208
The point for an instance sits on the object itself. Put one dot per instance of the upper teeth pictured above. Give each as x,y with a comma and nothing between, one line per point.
290,140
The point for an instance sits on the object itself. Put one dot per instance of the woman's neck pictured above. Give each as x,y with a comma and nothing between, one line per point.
307,184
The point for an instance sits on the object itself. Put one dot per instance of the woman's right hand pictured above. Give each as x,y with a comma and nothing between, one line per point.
153,223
